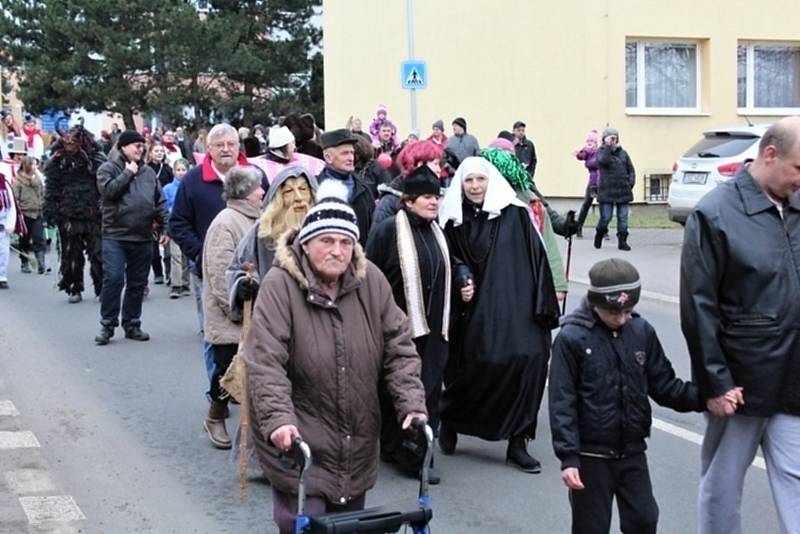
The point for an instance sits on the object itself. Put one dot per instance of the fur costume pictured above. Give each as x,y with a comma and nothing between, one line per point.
72,202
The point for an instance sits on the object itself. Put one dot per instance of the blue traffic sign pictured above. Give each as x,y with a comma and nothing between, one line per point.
413,74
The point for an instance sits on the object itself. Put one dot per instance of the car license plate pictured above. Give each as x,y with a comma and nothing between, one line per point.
695,177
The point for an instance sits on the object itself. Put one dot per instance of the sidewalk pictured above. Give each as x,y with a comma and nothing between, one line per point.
656,254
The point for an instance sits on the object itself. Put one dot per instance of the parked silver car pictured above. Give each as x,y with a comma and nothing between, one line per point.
714,159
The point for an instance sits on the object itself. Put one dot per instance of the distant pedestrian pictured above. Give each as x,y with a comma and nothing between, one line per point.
607,361
29,193
8,221
462,144
617,178
157,160
133,208
588,155
179,269
524,149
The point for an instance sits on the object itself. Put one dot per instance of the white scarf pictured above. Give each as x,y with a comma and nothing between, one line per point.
499,194
412,284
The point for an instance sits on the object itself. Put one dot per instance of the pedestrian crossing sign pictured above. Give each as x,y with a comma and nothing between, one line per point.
414,75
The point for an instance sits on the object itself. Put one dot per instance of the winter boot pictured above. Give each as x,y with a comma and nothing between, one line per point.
40,260
136,333
623,241
214,425
105,335
598,239
25,266
447,440
517,455
75,298
579,233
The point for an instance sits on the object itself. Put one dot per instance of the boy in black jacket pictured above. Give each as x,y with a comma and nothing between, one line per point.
606,361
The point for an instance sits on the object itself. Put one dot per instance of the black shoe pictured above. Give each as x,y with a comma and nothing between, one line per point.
434,477
136,333
447,441
74,298
3,284
105,335
25,268
175,293
517,455
186,291
158,280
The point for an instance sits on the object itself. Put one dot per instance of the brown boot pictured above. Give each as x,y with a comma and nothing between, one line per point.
214,425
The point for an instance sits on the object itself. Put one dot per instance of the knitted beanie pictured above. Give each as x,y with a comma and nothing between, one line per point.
614,284
128,137
330,215
461,121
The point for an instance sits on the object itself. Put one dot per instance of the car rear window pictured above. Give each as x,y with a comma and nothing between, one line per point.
720,145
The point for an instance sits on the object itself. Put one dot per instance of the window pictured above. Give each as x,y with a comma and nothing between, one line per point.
768,77
662,77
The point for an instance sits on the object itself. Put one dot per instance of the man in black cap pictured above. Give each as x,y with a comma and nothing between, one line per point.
607,361
134,208
339,153
524,148
461,144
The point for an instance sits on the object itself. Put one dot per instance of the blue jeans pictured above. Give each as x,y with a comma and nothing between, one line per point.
607,211
125,264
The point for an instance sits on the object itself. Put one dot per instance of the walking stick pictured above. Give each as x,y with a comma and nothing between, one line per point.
244,412
570,219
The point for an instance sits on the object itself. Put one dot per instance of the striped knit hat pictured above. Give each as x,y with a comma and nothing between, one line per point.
331,214
614,284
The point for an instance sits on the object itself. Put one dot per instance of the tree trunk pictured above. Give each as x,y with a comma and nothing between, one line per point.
127,118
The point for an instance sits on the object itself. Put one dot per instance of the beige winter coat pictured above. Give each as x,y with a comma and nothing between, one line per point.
316,363
224,233
29,193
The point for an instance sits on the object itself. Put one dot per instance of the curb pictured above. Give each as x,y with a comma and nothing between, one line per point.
649,295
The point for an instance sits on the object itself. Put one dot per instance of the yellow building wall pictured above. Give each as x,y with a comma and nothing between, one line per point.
558,66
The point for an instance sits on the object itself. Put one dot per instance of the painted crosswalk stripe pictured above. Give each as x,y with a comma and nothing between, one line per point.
51,508
694,437
7,409
18,439
27,481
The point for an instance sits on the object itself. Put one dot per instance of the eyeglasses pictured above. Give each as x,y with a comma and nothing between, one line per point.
225,144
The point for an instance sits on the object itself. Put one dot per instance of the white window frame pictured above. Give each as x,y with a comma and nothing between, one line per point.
750,80
641,108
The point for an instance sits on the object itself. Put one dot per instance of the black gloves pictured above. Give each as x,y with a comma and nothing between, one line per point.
247,289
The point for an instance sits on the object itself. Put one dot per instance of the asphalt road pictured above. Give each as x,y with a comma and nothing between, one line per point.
121,438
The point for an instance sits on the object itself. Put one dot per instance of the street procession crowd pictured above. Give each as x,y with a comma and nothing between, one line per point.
351,283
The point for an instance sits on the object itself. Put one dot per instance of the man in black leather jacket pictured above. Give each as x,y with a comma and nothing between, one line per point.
740,281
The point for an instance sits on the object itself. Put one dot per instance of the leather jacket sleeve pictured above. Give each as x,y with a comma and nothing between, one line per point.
701,272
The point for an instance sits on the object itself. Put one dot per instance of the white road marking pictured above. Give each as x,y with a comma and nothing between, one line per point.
7,409
26,481
54,508
18,439
694,437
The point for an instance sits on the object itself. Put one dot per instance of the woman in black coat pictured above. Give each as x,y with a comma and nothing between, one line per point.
411,250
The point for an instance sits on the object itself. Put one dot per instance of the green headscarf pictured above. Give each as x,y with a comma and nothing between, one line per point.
512,170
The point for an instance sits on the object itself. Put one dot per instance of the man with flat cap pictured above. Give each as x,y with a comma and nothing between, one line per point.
339,153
